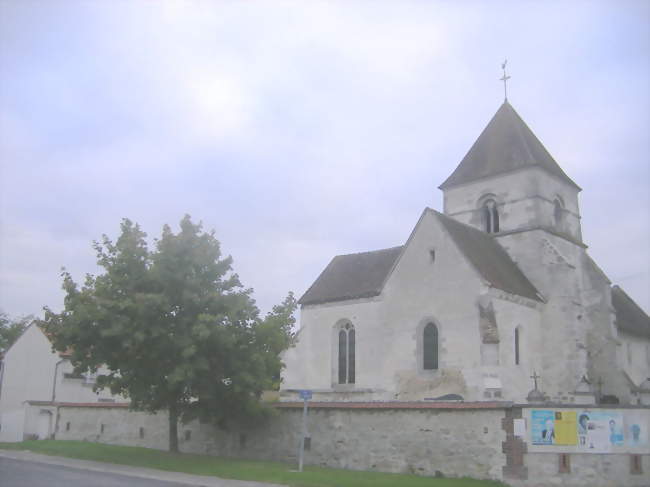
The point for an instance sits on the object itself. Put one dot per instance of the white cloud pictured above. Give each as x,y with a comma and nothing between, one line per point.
301,129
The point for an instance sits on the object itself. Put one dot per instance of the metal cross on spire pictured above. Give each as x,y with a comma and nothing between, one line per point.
505,79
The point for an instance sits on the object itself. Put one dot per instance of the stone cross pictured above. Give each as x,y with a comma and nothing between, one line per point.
505,79
535,377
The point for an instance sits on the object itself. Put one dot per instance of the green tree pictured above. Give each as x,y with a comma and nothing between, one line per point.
174,327
11,329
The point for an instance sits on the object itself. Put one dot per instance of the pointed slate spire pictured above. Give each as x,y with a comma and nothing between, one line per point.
506,144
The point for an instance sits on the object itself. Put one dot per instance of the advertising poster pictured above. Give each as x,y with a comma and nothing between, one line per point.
566,429
598,431
636,430
542,427
591,431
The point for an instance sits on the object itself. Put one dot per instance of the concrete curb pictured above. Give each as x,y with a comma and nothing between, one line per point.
145,473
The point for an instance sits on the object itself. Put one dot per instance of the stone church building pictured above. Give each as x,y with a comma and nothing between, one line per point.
498,287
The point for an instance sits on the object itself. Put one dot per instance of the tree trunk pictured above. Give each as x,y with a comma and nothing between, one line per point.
173,429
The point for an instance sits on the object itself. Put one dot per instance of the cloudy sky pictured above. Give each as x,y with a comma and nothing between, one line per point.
300,130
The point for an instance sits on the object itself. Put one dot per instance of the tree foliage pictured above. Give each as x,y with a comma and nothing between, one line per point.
174,326
11,329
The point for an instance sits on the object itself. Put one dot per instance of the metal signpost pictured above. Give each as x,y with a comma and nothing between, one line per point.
305,395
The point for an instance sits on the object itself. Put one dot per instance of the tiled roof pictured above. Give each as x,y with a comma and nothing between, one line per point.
352,276
630,318
363,275
488,257
506,144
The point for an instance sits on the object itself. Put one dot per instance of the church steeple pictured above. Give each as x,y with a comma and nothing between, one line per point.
508,182
506,144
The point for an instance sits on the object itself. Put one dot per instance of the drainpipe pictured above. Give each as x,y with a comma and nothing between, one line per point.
56,369
2,373
56,418
56,424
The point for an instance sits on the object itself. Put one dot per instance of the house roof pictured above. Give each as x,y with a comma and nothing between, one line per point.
630,318
506,144
363,275
65,354
489,258
352,276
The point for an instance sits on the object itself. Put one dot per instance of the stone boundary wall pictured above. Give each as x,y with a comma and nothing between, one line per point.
458,439
425,441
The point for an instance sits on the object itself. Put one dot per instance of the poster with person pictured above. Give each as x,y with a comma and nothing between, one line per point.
636,430
599,431
543,427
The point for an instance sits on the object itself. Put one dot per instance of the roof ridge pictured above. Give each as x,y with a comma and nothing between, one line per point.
370,251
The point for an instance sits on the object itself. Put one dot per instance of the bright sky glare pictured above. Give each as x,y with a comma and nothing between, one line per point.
301,130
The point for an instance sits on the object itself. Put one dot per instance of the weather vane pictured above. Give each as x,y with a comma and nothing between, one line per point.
505,79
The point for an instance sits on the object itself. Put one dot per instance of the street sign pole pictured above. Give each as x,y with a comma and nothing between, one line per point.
306,396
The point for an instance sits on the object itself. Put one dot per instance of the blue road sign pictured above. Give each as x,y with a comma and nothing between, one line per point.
305,394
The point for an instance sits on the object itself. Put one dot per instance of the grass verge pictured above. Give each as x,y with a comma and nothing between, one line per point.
278,473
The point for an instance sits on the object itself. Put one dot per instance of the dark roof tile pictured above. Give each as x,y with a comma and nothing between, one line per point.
630,318
506,144
489,258
352,276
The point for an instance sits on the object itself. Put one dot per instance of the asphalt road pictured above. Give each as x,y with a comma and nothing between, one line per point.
22,473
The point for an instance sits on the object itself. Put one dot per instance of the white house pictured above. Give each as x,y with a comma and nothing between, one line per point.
33,380
498,287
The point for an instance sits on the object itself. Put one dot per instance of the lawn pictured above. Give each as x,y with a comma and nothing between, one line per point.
274,472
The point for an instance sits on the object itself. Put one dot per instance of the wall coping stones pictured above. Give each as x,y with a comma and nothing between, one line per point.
398,405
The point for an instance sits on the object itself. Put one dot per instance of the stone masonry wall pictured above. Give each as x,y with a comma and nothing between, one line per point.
455,442
586,470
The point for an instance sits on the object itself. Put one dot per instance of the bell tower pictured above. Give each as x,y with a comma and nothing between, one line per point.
509,183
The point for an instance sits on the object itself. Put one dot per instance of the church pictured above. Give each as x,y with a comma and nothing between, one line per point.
494,299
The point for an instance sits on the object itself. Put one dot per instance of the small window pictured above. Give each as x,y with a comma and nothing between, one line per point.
346,354
430,347
558,212
432,255
102,428
517,345
67,426
188,435
490,216
141,432
307,443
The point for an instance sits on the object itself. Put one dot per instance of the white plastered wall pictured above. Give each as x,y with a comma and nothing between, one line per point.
388,331
33,372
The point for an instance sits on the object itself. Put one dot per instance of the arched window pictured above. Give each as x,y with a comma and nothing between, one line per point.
490,216
517,345
558,212
346,354
430,347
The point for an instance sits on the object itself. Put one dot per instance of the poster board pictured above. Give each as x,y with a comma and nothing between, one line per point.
584,430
